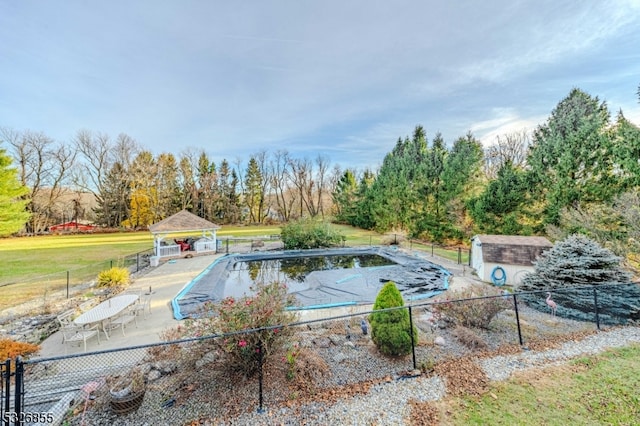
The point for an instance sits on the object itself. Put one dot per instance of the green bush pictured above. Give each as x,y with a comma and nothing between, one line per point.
308,234
472,313
390,330
113,277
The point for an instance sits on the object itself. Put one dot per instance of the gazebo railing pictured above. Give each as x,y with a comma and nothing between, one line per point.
172,250
205,246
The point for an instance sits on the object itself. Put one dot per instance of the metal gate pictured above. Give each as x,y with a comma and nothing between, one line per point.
11,403
5,392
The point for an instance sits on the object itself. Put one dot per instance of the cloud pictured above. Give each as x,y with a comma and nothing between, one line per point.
504,121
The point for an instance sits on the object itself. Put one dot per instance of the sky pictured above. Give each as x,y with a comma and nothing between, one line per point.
342,79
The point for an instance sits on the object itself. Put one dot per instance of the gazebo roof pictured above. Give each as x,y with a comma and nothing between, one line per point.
183,221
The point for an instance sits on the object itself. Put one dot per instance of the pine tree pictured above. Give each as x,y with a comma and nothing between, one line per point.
13,215
570,160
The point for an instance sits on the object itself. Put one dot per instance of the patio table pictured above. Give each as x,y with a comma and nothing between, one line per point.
106,310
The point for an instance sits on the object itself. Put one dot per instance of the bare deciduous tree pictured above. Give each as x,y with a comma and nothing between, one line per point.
511,147
44,167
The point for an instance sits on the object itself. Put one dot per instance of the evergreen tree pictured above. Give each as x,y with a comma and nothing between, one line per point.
578,261
363,210
13,214
113,200
391,329
570,159
207,187
626,150
498,209
253,194
344,196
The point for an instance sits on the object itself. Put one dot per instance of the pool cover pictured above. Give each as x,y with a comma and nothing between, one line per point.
415,277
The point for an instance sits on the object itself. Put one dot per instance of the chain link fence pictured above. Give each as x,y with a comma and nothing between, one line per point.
37,295
188,380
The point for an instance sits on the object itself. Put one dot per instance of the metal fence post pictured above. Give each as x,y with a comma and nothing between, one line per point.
413,343
227,245
6,391
260,377
459,256
18,394
137,262
515,306
67,284
595,303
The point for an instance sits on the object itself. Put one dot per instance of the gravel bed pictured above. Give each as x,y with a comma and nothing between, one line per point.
501,367
385,403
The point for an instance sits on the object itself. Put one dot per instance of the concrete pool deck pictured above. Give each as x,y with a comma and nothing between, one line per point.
169,278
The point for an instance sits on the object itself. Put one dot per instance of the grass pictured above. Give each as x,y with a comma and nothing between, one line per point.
33,267
594,390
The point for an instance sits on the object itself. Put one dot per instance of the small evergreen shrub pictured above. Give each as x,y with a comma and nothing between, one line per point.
309,234
114,277
471,313
390,330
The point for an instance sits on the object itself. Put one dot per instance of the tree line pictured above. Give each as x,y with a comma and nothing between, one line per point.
132,188
579,171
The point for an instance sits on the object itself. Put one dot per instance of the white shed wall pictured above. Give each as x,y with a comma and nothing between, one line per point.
515,273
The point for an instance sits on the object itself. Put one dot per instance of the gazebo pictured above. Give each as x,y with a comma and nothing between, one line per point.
181,223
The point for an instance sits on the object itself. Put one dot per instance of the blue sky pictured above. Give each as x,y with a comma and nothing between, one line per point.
343,79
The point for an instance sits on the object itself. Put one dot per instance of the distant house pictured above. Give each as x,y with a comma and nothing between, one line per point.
72,226
505,259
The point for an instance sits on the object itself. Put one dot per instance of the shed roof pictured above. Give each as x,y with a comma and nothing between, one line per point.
182,221
511,249
514,240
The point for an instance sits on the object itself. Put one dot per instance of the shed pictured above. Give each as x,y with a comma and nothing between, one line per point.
181,223
511,256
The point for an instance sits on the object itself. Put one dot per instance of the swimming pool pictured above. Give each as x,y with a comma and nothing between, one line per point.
337,277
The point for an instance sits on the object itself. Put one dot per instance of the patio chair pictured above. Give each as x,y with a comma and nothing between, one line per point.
86,305
143,305
121,321
73,334
65,319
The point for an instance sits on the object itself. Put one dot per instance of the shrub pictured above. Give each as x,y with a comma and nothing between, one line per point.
265,312
578,261
390,330
308,234
12,349
113,277
468,338
471,313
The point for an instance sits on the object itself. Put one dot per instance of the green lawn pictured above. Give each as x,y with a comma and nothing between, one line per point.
596,390
31,267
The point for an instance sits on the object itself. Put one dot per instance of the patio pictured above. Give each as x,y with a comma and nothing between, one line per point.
165,282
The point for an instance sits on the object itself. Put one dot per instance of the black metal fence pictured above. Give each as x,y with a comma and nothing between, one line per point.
41,291
186,380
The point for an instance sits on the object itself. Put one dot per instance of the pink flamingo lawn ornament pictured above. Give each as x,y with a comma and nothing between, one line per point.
87,390
552,305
